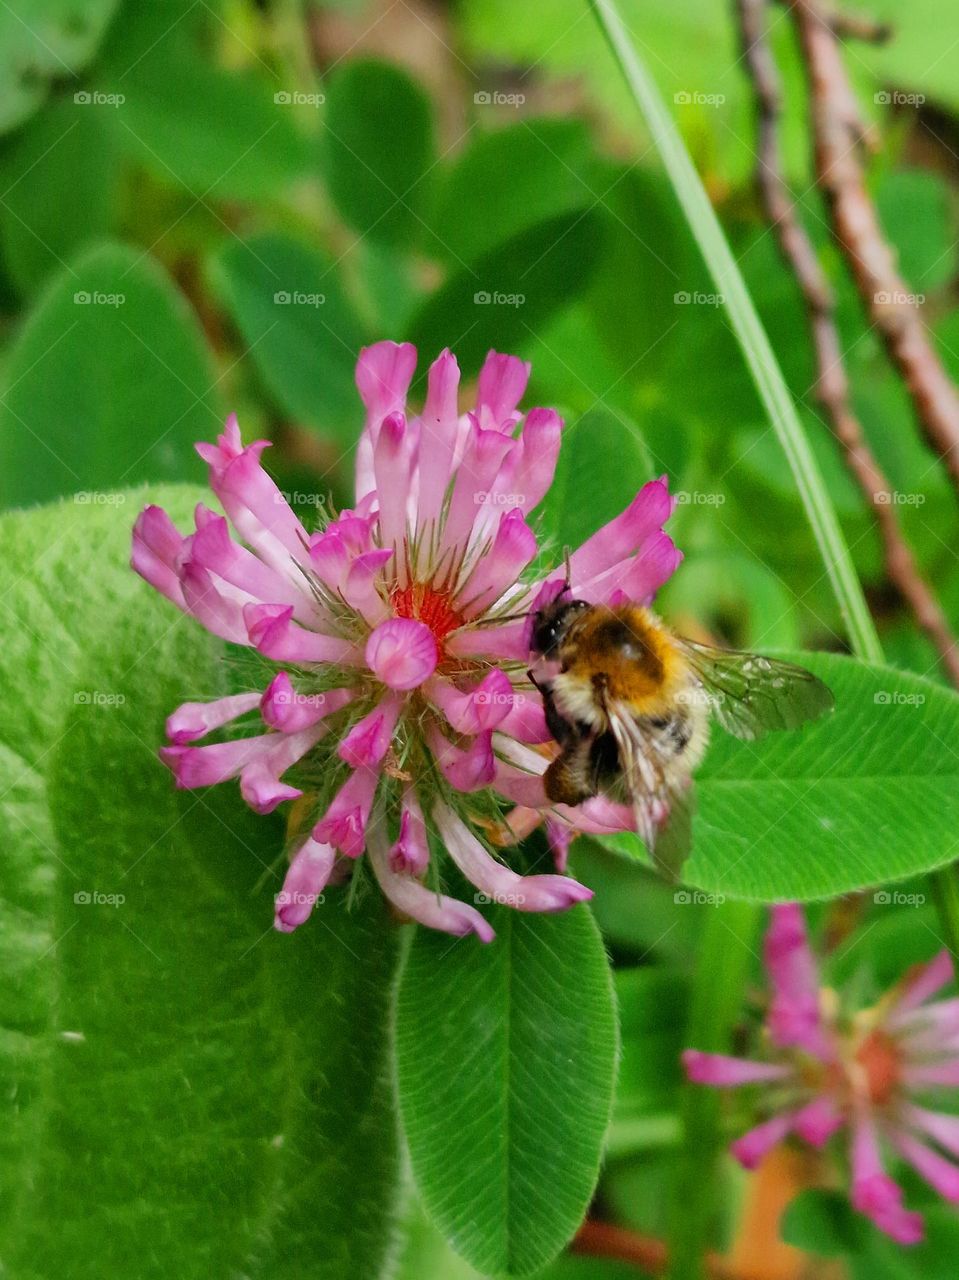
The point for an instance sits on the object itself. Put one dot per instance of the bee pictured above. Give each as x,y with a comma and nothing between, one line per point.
630,704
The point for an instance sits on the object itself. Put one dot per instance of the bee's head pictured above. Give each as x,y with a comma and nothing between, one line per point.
551,622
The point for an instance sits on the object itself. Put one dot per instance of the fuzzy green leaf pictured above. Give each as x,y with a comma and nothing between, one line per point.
506,1058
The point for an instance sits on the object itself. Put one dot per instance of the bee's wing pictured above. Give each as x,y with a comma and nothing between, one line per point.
641,756
751,695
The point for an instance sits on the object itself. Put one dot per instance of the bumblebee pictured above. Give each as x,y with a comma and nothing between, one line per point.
630,704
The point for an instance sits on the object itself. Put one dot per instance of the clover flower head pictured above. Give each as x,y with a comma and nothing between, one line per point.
867,1074
397,713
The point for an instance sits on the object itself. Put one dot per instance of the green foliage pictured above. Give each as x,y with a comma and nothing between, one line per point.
41,41
66,157
294,316
506,1060
141,412
378,150
164,1045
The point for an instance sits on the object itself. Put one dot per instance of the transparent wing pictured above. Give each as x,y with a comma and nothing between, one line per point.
751,695
663,821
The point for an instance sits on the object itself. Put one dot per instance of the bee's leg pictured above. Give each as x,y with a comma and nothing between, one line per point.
568,780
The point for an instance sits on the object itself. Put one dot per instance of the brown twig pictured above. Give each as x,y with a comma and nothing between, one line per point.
604,1240
854,215
839,134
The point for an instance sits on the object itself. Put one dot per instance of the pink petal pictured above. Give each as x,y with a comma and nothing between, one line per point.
383,375
648,511
753,1146
411,852
794,1015
218,613
560,837
303,886
155,551
499,568
271,630
536,463
471,711
256,507
502,382
344,823
466,770
359,589
925,1074
497,882
392,463
208,766
929,979
526,720
941,1174
260,782
724,1072
369,740
818,1121
413,899
507,641
283,708
402,653
483,455
197,719
943,1128
438,431
873,1192
214,549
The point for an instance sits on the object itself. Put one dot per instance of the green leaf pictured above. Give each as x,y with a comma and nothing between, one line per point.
864,797
42,41
822,1223
186,1092
602,465
64,158
218,134
506,1059
510,180
378,150
503,299
299,327
108,383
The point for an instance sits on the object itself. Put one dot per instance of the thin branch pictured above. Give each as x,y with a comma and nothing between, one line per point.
832,386
840,134
605,1240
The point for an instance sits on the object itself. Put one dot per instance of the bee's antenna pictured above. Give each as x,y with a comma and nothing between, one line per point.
568,584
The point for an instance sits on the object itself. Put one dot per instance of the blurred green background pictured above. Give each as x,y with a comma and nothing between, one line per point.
210,205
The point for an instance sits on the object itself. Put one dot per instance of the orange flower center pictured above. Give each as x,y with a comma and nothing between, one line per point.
878,1057
422,602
